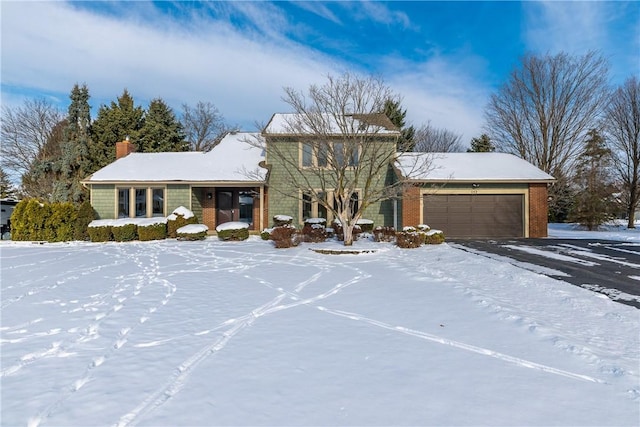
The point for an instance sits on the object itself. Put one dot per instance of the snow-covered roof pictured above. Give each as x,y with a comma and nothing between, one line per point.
469,167
235,159
293,123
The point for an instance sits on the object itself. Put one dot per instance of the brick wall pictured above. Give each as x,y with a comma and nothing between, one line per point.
538,210
209,208
411,206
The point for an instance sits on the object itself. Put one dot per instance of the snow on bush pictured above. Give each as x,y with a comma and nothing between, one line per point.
192,232
233,230
279,220
180,210
180,217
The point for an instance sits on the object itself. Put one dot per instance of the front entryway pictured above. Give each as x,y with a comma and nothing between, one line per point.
234,205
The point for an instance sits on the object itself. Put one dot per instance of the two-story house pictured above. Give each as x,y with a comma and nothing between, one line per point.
349,162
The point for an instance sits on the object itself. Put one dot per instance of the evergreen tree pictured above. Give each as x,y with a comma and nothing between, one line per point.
482,144
113,124
397,115
594,201
75,162
161,130
6,186
38,182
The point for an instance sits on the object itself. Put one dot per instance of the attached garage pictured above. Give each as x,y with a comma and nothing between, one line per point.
475,195
475,215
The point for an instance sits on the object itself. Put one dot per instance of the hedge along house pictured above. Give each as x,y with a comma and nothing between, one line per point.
483,195
222,185
338,160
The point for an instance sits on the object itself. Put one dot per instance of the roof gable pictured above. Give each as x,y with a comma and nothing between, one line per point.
328,124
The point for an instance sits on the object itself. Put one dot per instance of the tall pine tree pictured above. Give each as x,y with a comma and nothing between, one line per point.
75,163
397,115
7,190
161,130
481,144
594,202
113,124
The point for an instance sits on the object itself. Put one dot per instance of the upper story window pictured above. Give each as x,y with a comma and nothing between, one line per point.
322,155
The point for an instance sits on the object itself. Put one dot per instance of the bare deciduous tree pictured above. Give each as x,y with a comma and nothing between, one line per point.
622,125
203,125
546,108
430,139
25,132
336,149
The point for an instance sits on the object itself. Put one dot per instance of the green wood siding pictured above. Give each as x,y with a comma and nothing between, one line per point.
196,202
284,196
103,200
178,195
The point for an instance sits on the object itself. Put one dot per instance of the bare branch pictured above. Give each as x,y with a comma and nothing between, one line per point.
622,126
547,107
25,132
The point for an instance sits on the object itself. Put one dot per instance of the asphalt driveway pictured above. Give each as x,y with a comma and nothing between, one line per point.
608,267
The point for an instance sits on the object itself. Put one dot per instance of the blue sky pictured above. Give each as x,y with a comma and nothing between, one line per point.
443,58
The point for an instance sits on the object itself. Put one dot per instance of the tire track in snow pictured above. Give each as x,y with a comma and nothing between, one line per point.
463,346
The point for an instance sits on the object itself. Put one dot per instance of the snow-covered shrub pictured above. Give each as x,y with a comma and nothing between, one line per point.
180,217
314,230
423,227
365,224
285,236
434,237
100,233
384,234
124,232
156,231
235,231
409,239
266,234
193,232
279,220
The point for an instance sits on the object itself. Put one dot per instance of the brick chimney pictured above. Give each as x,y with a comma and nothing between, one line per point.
124,148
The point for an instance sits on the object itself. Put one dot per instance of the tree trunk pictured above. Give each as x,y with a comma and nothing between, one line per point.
633,203
348,235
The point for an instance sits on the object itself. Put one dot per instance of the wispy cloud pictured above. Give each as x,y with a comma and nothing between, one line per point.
381,13
320,9
576,27
50,46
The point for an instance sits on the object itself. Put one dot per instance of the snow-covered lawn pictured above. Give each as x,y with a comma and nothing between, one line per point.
209,333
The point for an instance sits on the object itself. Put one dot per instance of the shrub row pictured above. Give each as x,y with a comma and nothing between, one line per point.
54,222
127,232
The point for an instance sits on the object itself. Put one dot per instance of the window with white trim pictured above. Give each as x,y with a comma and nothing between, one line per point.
140,202
310,207
322,154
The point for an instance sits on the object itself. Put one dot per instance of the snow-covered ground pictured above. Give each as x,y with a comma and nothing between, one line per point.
239,333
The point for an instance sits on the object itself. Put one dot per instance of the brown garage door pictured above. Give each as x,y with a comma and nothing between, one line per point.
476,215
